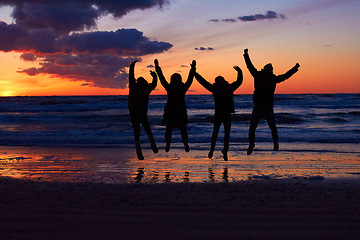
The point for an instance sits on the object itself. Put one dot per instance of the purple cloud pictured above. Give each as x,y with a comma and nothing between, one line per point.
231,20
51,33
66,16
62,18
103,70
250,18
127,42
268,15
204,49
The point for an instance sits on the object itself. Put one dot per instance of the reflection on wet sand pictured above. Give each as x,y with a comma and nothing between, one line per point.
105,165
140,173
225,174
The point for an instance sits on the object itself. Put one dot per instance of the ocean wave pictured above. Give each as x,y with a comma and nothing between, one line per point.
101,120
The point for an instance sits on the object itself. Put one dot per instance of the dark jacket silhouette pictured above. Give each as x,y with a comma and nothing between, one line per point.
138,99
139,92
175,111
264,83
223,93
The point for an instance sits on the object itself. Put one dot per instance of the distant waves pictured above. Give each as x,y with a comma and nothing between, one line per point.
103,121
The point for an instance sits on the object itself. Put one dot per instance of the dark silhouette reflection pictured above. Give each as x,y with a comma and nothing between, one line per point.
225,175
138,100
175,113
224,106
211,174
167,177
155,177
186,177
139,174
265,83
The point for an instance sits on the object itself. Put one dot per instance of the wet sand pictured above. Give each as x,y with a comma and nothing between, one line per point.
120,165
253,209
85,193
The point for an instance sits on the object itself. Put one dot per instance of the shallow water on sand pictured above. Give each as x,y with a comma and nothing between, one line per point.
114,165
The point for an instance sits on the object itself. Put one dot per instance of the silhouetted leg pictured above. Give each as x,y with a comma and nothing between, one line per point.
227,128
272,125
146,126
214,138
253,125
185,137
136,127
168,135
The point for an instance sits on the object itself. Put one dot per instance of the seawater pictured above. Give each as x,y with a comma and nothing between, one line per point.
98,121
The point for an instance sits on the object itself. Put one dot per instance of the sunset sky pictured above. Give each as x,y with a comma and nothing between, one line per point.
84,47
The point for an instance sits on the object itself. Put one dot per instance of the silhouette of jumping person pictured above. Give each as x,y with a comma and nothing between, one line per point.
175,113
138,99
223,93
264,83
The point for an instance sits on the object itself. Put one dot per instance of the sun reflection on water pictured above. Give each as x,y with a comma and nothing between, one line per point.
113,165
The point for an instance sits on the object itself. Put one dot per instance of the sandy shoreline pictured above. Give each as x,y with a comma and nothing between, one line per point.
255,209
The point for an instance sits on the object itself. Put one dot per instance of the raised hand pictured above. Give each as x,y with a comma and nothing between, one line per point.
237,69
156,62
193,64
246,50
153,74
297,65
133,63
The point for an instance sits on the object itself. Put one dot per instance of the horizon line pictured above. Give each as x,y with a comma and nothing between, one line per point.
102,95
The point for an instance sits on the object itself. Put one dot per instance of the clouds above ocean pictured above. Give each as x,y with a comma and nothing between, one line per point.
62,37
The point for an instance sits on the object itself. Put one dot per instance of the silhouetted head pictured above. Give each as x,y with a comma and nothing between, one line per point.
142,82
176,79
220,80
268,68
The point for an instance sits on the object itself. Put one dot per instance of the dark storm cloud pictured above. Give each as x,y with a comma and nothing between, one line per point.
23,9
18,38
129,42
51,33
126,42
76,15
269,15
62,18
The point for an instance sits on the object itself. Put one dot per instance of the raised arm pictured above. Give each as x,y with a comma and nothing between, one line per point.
208,86
288,74
132,74
191,75
159,72
248,62
239,79
153,84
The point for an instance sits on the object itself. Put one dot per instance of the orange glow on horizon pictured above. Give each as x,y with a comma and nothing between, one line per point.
312,77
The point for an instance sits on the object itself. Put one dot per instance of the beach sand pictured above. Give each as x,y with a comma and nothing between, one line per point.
254,209
74,207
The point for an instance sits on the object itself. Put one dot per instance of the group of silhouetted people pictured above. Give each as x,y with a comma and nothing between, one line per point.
175,112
